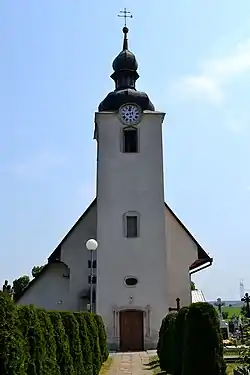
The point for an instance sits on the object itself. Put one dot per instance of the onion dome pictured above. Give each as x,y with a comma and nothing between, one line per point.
125,75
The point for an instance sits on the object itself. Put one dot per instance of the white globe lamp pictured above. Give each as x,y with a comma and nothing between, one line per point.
91,245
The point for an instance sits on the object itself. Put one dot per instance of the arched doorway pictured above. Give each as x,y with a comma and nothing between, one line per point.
131,330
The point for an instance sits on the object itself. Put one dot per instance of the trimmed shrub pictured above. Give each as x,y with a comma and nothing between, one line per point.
71,327
12,353
180,331
50,363
85,344
94,342
63,356
102,338
166,347
35,344
203,347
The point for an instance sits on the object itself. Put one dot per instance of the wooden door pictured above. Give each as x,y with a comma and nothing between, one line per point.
131,330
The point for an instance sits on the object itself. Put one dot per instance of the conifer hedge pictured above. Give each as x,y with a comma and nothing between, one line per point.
180,331
63,356
93,334
12,353
71,327
102,338
190,342
85,344
203,350
37,342
166,343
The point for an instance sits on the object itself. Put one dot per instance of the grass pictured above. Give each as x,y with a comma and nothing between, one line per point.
232,311
153,365
230,352
231,367
106,366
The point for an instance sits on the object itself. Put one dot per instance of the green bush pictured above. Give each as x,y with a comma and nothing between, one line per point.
180,331
71,327
102,338
50,363
12,353
85,344
166,343
203,348
63,355
225,315
94,342
34,340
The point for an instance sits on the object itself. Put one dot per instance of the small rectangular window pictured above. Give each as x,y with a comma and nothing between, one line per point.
132,226
130,140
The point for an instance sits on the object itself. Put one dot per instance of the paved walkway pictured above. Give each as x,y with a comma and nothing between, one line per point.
130,364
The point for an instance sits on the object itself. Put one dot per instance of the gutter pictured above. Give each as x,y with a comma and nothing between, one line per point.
202,268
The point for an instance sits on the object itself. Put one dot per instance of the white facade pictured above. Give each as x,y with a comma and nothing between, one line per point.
131,182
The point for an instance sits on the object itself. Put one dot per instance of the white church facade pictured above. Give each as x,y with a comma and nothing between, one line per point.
145,254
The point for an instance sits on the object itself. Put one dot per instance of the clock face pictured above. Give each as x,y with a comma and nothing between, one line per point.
130,114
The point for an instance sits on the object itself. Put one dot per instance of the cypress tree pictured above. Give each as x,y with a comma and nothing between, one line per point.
34,340
166,343
102,338
71,327
203,350
12,353
85,344
63,355
50,363
180,331
94,342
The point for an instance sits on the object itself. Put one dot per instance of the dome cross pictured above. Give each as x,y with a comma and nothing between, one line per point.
125,14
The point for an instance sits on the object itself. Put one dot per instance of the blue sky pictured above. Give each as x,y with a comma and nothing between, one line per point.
194,62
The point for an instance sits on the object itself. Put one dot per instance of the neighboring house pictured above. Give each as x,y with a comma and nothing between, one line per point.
198,296
145,254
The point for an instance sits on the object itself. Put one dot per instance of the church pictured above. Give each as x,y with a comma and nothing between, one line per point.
145,255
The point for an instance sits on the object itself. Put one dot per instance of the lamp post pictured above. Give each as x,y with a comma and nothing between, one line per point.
91,246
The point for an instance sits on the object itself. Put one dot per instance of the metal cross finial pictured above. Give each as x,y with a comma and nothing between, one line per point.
125,14
219,304
177,308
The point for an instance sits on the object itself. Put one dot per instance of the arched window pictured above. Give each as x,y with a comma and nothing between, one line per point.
131,224
130,140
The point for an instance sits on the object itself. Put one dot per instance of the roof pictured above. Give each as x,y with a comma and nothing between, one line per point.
197,296
55,256
203,257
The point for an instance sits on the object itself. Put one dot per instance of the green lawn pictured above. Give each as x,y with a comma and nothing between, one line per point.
106,366
232,310
154,366
230,352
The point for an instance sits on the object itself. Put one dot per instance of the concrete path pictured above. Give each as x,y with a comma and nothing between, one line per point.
130,364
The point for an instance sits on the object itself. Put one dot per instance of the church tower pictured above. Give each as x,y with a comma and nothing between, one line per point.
131,293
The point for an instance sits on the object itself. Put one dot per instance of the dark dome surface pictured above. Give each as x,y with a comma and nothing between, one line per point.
125,75
125,61
115,99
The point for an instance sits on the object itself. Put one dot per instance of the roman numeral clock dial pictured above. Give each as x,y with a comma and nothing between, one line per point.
130,114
